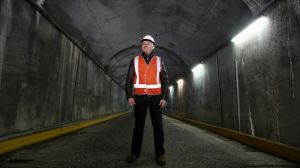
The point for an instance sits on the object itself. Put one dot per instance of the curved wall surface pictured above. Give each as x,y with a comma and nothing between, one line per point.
45,79
252,87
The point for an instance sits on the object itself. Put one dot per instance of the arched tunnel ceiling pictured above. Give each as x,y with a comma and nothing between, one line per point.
186,31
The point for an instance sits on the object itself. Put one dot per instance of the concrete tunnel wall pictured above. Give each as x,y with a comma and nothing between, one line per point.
45,79
253,87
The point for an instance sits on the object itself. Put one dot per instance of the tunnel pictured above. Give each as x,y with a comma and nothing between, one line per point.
233,70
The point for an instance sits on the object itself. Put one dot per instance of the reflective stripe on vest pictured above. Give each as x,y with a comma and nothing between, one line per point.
147,79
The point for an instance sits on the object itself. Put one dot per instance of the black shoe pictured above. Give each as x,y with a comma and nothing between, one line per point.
131,158
161,160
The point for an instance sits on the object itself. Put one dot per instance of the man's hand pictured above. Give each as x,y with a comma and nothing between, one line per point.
131,101
162,103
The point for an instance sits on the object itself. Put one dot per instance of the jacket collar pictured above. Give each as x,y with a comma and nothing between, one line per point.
147,57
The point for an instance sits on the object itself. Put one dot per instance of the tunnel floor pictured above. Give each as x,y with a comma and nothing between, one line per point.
108,144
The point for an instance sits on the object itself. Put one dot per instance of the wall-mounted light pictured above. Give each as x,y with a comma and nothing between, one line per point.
198,68
180,82
253,28
171,88
179,89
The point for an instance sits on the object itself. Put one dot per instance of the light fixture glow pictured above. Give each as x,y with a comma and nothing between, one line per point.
253,28
171,89
180,82
198,68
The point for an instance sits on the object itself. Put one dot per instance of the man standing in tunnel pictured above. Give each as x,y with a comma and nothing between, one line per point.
147,88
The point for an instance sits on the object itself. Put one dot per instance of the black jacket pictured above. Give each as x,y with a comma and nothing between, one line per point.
163,78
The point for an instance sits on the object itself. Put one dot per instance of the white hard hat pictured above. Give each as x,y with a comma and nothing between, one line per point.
149,38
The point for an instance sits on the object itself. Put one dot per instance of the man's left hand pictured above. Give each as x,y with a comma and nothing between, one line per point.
162,103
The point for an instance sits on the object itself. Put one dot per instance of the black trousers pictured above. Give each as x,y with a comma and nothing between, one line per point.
142,104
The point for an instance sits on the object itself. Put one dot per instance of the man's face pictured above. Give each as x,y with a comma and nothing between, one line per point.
147,47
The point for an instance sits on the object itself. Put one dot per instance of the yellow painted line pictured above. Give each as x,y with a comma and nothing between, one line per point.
19,142
279,149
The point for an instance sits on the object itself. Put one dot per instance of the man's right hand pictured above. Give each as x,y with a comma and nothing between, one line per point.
131,102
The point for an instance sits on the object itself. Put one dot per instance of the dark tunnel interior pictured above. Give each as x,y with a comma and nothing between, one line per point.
186,31
65,61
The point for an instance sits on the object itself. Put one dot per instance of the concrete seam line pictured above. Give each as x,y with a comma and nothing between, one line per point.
279,149
60,29
26,140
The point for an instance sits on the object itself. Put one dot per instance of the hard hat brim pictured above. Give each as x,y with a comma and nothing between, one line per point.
147,40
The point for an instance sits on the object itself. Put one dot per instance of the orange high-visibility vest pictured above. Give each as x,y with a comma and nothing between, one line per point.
147,77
